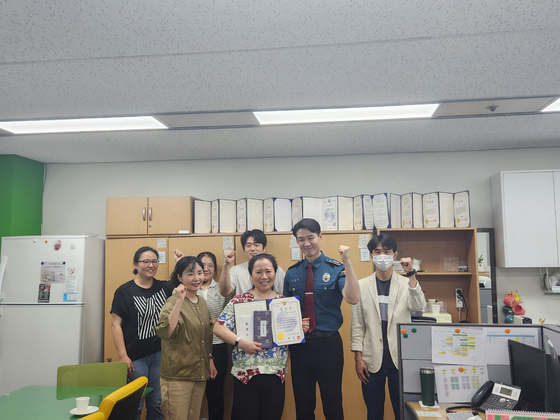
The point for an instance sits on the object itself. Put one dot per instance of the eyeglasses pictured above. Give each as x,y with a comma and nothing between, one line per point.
148,262
208,265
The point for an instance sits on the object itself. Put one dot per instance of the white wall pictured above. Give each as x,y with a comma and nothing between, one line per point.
74,197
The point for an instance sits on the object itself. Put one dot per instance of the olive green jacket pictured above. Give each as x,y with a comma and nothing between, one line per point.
186,355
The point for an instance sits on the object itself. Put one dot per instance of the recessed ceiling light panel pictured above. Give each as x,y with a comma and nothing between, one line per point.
346,114
553,107
81,125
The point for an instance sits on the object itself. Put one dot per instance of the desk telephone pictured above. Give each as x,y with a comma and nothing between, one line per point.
496,395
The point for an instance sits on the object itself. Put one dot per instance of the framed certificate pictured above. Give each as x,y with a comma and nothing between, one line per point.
244,317
286,321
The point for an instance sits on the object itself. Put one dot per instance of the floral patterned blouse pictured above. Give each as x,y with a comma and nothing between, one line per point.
272,361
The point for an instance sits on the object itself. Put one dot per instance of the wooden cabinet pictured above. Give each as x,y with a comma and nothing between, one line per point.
433,244
526,216
149,216
119,254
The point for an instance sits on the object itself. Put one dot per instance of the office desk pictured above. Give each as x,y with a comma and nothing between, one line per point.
48,402
413,407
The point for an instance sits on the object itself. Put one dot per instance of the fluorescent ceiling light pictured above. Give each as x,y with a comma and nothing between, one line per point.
553,107
81,124
346,114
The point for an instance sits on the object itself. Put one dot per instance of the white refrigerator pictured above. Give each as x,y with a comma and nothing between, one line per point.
51,307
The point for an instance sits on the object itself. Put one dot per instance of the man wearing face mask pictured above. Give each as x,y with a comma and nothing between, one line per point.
386,300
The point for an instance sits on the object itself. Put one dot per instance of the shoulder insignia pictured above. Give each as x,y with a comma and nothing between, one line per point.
333,262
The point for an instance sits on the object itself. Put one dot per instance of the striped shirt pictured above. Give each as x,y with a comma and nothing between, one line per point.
215,302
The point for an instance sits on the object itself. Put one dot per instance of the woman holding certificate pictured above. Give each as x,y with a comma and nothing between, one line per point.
259,372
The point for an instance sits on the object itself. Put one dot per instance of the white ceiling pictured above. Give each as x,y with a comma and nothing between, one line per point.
67,58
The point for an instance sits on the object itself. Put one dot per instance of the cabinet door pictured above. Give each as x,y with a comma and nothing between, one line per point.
194,245
529,220
126,216
169,215
119,254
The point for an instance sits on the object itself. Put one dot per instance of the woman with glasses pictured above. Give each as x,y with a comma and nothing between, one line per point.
134,315
210,291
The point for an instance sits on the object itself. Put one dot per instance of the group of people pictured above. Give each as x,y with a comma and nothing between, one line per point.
176,332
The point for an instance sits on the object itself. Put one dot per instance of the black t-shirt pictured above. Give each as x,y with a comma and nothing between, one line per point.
139,309
383,288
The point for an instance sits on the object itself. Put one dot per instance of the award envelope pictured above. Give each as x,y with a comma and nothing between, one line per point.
262,328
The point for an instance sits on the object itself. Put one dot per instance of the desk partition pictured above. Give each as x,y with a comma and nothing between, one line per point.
415,351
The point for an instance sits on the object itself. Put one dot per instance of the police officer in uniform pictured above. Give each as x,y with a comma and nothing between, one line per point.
320,283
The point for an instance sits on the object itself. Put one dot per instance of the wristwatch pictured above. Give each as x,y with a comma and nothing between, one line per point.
411,273
236,344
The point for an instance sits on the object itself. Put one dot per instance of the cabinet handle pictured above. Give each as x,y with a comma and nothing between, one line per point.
109,359
143,214
150,214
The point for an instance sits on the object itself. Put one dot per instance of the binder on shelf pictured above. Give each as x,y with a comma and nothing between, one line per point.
215,216
228,216
241,215
345,213
282,215
395,216
277,214
462,209
367,207
380,211
329,213
446,218
430,209
358,213
406,211
268,214
312,208
254,214
202,216
297,210
417,215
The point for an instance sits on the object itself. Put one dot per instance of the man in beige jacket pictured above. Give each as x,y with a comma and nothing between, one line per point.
386,300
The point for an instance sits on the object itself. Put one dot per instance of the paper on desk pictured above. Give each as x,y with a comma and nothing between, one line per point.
428,414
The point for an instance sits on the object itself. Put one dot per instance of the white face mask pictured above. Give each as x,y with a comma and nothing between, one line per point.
383,262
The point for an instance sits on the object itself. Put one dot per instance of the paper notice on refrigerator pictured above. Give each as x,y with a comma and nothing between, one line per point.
44,293
70,289
53,271
3,263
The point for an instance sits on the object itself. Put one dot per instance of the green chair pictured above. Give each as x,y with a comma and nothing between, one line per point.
93,374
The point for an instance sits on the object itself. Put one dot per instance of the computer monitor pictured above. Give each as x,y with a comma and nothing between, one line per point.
528,371
552,377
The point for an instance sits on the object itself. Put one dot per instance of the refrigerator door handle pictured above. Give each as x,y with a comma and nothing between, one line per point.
143,214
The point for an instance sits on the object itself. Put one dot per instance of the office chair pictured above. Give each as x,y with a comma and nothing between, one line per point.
123,403
92,374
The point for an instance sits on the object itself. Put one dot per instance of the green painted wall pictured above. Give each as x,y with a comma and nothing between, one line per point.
21,196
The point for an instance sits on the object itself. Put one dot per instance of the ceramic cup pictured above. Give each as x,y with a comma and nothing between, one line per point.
518,310
509,300
82,404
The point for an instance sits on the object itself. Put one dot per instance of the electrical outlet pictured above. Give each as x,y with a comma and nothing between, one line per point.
458,300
